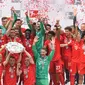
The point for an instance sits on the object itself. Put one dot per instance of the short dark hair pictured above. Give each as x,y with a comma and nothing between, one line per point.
83,34
48,25
27,30
18,20
3,18
13,29
69,29
11,56
44,49
52,33
34,23
83,24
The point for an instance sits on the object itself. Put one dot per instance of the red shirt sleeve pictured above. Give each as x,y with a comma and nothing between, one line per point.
23,30
5,39
46,43
18,40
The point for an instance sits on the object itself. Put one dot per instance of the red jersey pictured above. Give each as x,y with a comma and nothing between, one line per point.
46,44
62,37
23,30
16,39
67,51
1,71
3,54
75,51
9,39
29,74
1,41
23,58
28,45
10,77
82,52
57,55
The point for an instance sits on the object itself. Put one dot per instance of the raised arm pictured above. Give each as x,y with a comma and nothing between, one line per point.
36,54
58,33
58,29
76,29
14,15
7,60
6,26
74,19
52,52
20,58
9,28
19,71
42,26
30,57
28,21
2,47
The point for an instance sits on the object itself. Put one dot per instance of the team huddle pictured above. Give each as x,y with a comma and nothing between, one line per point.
59,53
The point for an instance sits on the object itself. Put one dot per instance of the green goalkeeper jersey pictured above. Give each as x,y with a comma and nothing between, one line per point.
42,65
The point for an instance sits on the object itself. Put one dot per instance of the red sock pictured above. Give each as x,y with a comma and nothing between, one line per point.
72,79
53,77
61,78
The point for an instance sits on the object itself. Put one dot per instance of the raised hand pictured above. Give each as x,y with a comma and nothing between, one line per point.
12,9
36,39
69,42
24,50
76,24
53,41
40,18
52,44
26,13
3,46
75,11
